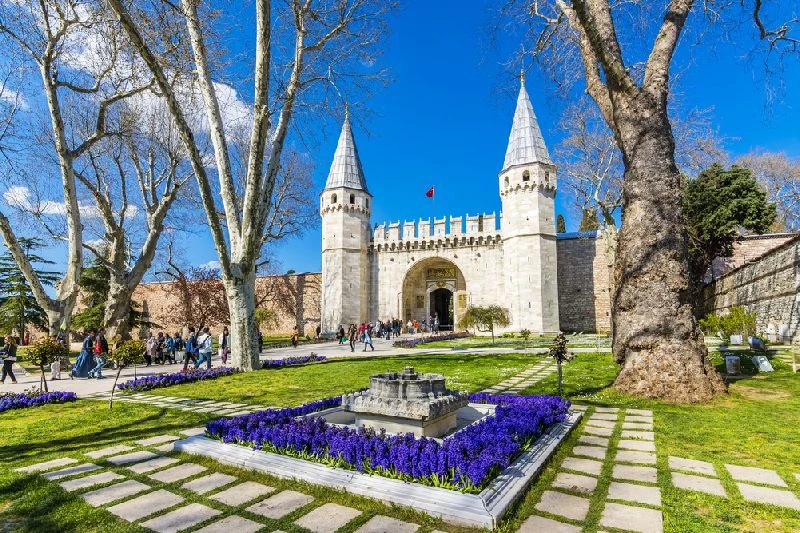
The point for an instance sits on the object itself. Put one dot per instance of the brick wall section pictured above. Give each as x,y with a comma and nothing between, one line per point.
768,287
584,301
748,249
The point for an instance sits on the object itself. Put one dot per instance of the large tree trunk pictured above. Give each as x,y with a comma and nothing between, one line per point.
656,338
116,316
244,334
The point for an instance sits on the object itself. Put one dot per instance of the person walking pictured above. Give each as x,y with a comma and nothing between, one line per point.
294,337
9,354
224,345
191,350
84,361
100,353
55,366
340,334
318,330
352,334
179,347
368,340
150,352
204,346
169,348
160,357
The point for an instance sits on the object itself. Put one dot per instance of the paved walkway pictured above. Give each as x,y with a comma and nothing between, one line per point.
184,404
523,380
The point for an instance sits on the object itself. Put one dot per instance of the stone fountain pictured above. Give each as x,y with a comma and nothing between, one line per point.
407,402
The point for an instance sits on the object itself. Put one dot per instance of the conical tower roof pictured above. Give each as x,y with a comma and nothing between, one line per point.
525,144
346,168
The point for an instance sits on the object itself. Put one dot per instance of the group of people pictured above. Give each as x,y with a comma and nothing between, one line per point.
91,360
197,348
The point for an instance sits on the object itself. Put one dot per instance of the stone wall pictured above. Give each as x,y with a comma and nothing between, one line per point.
750,248
584,297
768,287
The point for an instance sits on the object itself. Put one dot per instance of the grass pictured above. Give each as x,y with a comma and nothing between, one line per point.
544,341
295,385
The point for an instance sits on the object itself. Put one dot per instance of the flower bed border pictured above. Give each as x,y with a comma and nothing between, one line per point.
22,400
482,510
156,381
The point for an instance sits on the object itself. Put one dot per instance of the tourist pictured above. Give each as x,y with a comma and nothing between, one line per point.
191,349
340,334
368,340
260,341
9,354
27,339
436,323
388,330
410,327
159,355
352,334
55,366
169,348
179,347
150,351
224,345
205,344
318,330
294,337
100,351
84,361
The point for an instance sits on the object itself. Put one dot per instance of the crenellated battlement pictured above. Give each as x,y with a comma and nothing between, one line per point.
483,228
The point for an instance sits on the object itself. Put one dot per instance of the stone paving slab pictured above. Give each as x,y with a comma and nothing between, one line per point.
208,483
191,432
601,423
634,493
164,448
384,524
595,452
641,435
71,471
90,481
602,432
644,458
637,445
781,498
756,475
604,416
281,504
691,465
606,409
117,491
698,484
181,518
177,473
797,476
565,505
579,407
637,425
146,505
232,524
643,412
586,466
158,439
632,518
152,464
111,450
133,457
328,518
639,419
540,524
575,482
48,465
645,474
242,493
593,441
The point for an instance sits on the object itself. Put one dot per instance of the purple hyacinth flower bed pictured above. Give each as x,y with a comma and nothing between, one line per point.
176,378
467,460
289,361
413,343
34,399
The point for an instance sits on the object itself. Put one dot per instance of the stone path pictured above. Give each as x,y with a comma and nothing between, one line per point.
613,443
184,404
523,380
168,495
759,485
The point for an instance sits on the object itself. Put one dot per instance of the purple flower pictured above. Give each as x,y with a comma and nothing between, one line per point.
411,343
34,399
176,378
297,360
467,460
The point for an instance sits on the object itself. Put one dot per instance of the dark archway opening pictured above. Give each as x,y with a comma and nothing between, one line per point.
442,306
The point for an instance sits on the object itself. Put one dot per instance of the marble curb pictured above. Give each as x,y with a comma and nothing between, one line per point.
474,510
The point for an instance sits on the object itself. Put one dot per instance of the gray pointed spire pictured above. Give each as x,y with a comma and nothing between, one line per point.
525,144
346,168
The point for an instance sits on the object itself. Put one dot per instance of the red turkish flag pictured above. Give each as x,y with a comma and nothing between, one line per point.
429,194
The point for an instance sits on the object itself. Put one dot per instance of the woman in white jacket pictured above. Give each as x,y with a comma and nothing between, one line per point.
205,343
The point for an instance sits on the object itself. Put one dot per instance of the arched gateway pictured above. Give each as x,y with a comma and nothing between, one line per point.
434,287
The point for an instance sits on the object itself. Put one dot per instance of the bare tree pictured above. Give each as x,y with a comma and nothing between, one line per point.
780,176
655,337
70,45
301,46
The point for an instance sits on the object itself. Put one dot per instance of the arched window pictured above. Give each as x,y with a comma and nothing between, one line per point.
366,203
547,176
506,181
333,199
352,198
526,176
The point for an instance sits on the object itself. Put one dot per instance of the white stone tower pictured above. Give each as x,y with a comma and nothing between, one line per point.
345,207
527,191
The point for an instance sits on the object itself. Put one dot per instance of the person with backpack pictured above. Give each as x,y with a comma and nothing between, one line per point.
8,353
169,349
191,350
368,340
100,353
205,343
178,348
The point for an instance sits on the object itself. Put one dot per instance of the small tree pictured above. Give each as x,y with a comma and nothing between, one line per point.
559,352
525,334
126,354
44,352
561,224
266,317
485,318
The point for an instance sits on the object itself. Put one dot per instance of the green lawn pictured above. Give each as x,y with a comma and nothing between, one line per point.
544,341
295,385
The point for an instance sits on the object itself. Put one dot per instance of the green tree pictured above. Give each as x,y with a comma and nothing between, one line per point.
589,220
559,352
561,224
485,318
18,306
94,287
44,352
718,205
125,354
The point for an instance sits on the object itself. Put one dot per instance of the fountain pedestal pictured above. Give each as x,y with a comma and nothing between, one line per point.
407,402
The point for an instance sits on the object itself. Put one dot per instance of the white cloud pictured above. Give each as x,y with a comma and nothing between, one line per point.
212,265
21,198
14,98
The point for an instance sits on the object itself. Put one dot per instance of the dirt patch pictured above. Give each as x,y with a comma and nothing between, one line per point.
761,526
759,393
